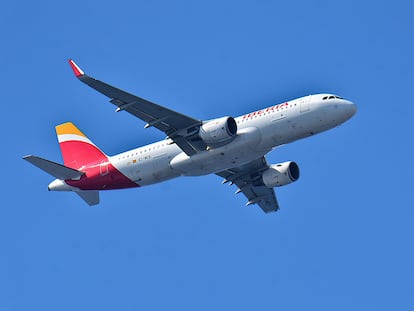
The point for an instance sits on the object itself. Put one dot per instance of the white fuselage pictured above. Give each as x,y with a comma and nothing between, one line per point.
258,133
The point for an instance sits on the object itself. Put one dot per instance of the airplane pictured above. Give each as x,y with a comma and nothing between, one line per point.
232,148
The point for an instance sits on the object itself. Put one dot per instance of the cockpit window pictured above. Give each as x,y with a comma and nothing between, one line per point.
331,97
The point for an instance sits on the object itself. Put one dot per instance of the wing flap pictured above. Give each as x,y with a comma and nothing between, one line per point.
248,179
262,196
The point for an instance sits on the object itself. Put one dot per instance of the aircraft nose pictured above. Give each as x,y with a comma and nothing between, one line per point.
349,108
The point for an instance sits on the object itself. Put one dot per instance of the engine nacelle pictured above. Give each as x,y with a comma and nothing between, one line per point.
281,174
218,131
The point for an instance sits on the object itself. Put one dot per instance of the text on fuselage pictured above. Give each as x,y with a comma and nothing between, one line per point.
269,109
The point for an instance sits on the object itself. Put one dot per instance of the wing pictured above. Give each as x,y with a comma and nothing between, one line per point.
180,128
248,179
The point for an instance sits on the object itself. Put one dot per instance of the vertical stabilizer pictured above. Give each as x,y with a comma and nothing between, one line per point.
77,150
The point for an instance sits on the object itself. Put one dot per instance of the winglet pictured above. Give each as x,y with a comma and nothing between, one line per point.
76,70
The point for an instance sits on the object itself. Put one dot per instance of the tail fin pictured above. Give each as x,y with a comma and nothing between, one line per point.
77,149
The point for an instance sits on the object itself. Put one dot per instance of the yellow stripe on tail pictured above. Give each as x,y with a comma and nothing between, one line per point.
77,149
68,128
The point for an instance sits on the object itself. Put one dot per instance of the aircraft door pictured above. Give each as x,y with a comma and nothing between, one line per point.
103,167
305,104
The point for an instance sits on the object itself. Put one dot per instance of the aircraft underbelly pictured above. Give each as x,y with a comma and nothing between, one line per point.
242,150
211,162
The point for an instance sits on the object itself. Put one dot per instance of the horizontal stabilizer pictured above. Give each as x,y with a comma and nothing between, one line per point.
91,197
57,170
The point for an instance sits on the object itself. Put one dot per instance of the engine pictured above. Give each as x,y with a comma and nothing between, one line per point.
218,131
281,174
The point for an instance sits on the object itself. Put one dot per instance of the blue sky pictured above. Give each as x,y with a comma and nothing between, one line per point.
343,237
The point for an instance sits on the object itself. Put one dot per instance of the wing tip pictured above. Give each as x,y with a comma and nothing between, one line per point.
76,69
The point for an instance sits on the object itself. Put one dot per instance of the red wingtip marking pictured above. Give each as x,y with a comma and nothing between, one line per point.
77,71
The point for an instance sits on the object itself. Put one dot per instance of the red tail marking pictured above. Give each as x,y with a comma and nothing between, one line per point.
78,153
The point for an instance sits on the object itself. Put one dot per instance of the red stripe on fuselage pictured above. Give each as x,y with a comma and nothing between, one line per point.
100,174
